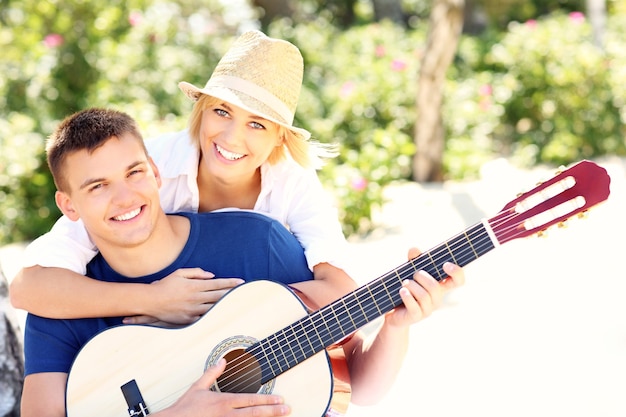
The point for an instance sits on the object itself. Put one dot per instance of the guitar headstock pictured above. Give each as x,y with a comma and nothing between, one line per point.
569,193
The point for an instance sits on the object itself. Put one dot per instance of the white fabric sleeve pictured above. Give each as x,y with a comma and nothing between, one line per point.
67,245
313,219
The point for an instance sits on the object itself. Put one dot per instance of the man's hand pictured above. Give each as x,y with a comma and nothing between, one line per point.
183,297
423,294
199,400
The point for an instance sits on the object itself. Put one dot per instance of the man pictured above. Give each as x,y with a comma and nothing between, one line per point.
105,178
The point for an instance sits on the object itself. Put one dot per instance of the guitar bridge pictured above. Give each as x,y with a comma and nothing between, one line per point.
134,399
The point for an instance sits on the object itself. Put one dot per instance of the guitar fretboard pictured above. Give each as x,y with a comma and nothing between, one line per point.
319,330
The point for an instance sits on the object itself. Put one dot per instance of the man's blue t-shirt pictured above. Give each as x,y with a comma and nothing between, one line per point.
229,244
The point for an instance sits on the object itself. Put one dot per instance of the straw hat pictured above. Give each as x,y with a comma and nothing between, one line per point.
259,74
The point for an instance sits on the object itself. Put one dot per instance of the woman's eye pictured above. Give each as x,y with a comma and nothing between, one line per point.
221,112
257,125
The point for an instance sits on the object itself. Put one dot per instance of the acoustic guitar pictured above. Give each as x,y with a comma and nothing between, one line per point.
272,344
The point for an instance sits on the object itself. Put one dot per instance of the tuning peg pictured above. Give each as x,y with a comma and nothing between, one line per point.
563,224
560,170
583,214
542,233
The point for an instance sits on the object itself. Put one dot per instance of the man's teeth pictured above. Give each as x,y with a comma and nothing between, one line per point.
232,156
128,215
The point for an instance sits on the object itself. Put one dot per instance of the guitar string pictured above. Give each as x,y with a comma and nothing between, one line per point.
314,321
495,222
301,331
307,329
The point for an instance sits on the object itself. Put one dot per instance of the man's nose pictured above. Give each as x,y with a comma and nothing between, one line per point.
122,194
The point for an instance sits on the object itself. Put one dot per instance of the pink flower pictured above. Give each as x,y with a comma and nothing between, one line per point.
398,65
485,90
380,51
135,18
359,184
532,23
53,40
577,17
346,89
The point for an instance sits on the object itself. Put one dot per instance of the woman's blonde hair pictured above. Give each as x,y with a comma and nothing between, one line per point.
306,153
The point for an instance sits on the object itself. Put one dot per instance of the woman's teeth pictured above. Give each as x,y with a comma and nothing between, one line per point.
231,156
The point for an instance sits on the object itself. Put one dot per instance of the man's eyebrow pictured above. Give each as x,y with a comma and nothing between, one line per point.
90,181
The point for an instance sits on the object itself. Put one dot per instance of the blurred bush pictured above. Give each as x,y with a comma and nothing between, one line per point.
359,93
539,92
60,57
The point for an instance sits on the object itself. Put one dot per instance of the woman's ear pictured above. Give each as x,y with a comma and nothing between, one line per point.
64,203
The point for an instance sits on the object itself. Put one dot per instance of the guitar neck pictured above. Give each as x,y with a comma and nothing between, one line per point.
319,330
571,192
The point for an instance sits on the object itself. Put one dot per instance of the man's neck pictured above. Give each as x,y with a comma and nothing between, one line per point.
158,252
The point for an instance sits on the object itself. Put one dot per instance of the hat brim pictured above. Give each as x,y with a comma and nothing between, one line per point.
238,99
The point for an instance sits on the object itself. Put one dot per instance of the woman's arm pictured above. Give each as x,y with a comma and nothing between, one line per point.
52,284
329,284
180,298
51,264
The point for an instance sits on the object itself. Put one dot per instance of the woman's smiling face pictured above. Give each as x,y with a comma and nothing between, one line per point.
234,142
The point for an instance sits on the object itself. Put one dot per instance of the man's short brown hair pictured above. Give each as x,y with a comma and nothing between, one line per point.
85,130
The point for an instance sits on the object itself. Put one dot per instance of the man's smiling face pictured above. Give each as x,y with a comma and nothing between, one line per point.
114,190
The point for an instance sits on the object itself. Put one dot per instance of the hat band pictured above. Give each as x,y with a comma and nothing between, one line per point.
253,90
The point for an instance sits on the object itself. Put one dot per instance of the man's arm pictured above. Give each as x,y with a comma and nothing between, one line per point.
179,298
43,395
375,362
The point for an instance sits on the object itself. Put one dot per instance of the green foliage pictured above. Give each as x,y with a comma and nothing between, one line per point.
501,12
546,94
575,116
539,92
26,191
59,57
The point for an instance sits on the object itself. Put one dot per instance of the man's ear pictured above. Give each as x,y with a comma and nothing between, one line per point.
64,203
155,169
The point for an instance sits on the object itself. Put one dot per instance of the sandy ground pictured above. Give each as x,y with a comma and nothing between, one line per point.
540,326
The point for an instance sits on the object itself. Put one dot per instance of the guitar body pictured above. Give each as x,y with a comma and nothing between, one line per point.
165,362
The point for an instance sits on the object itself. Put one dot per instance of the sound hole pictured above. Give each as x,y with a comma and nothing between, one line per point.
242,373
